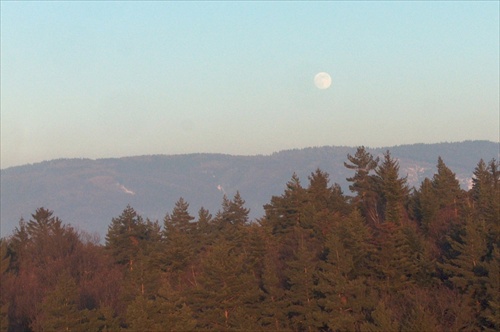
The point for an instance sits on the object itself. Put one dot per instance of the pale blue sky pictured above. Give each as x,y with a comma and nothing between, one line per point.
111,79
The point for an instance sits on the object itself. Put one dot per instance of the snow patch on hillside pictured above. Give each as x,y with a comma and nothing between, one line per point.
125,189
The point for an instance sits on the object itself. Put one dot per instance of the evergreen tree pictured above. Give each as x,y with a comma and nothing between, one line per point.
393,190
203,235
42,249
382,320
426,205
302,309
403,258
323,201
124,236
343,290
286,211
440,204
482,186
467,269
486,196
232,219
318,190
233,211
490,316
59,309
446,186
178,230
227,294
180,219
363,183
273,315
4,283
131,241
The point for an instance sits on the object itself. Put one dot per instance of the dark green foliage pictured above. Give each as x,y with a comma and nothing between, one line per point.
490,316
59,309
224,286
286,211
471,271
426,205
485,193
317,261
393,190
363,183
445,185
4,301
124,236
178,231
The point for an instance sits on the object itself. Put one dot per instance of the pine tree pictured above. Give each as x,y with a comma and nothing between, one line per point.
273,315
166,311
344,294
59,309
490,316
227,294
322,203
363,183
230,222
318,191
383,320
302,309
446,186
441,204
482,186
393,190
180,219
486,196
103,319
233,211
42,249
467,270
124,235
141,313
203,231
178,231
131,241
426,205
286,211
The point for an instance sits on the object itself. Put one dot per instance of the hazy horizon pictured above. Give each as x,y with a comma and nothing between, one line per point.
369,147
113,79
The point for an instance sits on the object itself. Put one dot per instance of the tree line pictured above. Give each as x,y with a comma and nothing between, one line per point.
387,258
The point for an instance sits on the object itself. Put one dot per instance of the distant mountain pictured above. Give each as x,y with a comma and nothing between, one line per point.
89,193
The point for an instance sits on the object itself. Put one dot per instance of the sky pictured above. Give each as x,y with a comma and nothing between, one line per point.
112,79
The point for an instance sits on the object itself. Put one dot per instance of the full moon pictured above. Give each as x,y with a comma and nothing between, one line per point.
322,80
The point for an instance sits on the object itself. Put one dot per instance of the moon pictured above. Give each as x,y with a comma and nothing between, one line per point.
322,80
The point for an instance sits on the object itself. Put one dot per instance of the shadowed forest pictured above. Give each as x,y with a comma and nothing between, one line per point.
386,257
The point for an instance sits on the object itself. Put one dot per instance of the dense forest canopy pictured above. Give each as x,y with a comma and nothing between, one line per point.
386,258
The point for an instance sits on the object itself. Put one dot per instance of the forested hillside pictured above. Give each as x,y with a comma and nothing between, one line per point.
386,258
89,193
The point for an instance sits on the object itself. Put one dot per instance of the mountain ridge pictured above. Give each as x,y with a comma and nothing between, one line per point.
88,193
